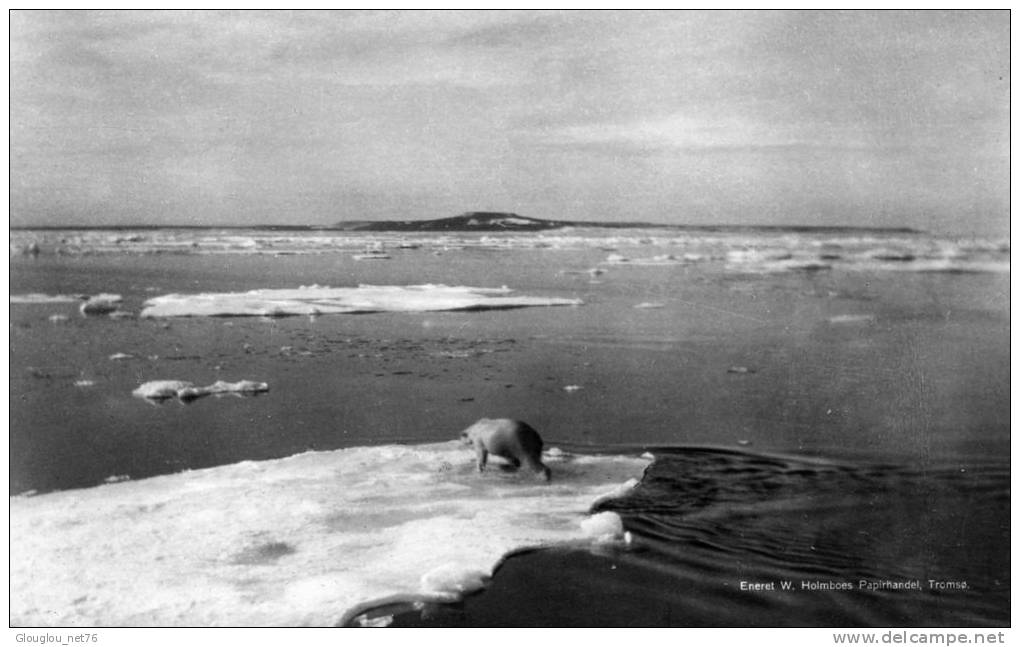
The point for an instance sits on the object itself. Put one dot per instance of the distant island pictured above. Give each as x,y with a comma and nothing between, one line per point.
504,221
479,221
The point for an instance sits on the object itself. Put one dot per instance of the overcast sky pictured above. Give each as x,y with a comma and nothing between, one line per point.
860,118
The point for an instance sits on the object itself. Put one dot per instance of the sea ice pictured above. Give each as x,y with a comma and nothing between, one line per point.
101,304
661,259
852,319
740,370
163,389
293,541
42,298
453,581
622,489
308,300
604,526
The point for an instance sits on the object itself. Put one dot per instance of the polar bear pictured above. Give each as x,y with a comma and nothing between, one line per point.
513,440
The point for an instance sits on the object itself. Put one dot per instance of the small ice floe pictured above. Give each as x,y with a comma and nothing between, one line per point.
661,259
84,384
187,391
56,319
603,527
160,389
743,443
741,370
101,304
121,356
571,388
852,319
453,581
768,261
374,622
372,255
42,298
755,256
649,305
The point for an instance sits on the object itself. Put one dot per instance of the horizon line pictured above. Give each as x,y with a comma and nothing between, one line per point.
339,226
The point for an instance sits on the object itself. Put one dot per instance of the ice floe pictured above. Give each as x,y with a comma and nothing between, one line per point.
452,581
166,389
293,541
660,259
43,298
315,300
101,304
741,370
373,256
852,319
604,526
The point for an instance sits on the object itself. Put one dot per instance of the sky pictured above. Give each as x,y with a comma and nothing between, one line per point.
886,119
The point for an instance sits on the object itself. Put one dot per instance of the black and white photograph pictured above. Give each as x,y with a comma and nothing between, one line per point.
473,318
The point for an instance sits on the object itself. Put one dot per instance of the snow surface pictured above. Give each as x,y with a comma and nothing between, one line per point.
293,541
315,300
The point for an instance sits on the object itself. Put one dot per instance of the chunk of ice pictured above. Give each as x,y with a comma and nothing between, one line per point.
603,526
101,304
453,580
161,389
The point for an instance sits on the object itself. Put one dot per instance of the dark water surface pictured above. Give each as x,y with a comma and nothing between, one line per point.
736,539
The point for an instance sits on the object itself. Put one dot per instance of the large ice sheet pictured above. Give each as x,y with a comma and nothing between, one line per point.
316,300
294,541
